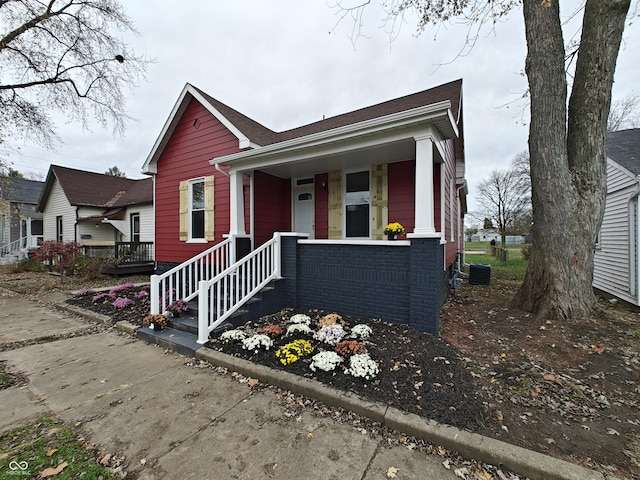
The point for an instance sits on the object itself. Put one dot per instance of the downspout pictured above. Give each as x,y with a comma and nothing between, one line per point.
460,249
219,168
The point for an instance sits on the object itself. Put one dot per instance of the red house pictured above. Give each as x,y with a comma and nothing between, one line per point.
225,184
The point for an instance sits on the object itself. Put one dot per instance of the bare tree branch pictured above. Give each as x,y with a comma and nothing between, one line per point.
64,55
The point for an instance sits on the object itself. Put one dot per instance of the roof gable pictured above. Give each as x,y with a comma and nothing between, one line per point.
252,134
624,147
91,189
248,132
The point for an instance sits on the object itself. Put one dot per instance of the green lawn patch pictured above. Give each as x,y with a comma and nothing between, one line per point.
28,451
514,269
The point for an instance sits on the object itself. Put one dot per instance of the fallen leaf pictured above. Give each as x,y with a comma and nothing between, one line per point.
599,348
309,436
611,431
391,472
550,377
482,475
51,452
447,464
253,382
104,460
461,472
50,472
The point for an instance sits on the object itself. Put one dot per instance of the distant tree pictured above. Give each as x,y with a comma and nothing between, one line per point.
503,198
470,232
62,55
115,172
487,224
624,114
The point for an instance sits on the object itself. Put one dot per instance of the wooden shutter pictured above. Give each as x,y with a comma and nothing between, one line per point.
335,205
184,210
379,200
209,226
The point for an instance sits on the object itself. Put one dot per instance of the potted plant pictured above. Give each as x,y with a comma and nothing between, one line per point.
392,230
155,322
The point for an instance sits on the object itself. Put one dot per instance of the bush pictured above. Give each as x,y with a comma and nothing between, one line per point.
28,265
57,253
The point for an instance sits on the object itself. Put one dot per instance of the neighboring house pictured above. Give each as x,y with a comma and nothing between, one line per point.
336,183
617,256
486,235
101,212
20,223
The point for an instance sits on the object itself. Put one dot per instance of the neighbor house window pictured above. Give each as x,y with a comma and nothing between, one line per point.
59,228
357,200
196,209
135,227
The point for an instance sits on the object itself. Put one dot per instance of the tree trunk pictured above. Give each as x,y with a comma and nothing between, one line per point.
567,154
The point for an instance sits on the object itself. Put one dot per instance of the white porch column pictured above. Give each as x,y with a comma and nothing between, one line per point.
424,215
236,226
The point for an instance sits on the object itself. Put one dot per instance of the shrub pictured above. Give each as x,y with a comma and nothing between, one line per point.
347,348
294,351
273,331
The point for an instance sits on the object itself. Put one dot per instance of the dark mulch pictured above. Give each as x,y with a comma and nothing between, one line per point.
133,313
419,373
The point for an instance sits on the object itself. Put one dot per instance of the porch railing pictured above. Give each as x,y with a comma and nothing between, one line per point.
224,294
133,252
181,282
14,246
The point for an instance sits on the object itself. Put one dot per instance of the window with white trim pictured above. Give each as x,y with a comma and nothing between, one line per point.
357,205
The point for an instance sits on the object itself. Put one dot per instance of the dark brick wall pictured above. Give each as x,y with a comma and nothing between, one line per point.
162,267
365,280
428,284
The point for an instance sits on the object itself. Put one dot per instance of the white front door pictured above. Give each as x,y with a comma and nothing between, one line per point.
304,211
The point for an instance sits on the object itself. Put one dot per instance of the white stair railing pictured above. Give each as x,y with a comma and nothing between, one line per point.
224,294
181,282
13,247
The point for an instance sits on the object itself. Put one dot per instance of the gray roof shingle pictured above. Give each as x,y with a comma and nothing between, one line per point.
624,147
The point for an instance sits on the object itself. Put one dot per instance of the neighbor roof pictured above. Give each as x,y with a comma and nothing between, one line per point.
624,147
91,189
20,190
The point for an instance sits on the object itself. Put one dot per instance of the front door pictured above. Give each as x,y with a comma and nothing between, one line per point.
304,211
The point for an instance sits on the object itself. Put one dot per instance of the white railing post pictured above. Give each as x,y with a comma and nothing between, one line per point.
203,312
277,255
154,293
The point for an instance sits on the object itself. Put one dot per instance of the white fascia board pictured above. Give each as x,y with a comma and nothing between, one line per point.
150,165
321,140
243,140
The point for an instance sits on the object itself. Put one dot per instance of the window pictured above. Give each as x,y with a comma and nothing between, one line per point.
135,227
196,209
357,208
59,229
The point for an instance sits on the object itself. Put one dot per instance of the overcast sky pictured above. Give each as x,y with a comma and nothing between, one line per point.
278,63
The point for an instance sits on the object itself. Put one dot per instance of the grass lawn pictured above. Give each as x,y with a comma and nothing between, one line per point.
47,446
513,270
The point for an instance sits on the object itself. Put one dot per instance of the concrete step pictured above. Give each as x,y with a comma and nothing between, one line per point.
172,339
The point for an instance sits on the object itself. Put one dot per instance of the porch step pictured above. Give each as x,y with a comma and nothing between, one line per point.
172,339
182,332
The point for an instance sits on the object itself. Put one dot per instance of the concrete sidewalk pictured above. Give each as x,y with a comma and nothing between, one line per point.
174,417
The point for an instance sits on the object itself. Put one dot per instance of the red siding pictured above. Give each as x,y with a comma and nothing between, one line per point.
402,194
321,205
187,156
272,206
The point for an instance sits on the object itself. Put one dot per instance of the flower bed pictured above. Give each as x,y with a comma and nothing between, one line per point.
374,359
